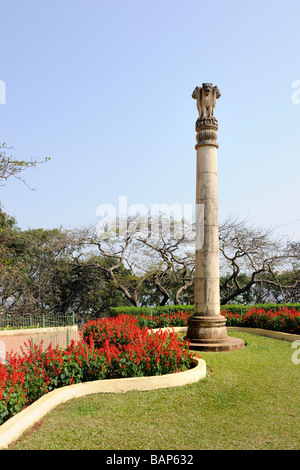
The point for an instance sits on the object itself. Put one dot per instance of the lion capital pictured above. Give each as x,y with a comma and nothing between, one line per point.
206,97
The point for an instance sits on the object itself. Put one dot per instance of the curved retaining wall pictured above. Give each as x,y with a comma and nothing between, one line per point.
15,426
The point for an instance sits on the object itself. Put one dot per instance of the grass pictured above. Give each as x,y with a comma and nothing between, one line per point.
249,400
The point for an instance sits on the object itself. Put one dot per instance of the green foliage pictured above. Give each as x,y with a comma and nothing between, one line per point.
11,403
38,272
285,318
158,310
241,309
227,284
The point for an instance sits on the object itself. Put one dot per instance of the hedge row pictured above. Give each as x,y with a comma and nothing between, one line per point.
283,319
169,309
115,311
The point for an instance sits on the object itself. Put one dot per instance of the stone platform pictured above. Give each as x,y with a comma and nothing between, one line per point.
227,344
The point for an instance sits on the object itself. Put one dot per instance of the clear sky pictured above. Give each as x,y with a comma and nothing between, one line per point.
103,87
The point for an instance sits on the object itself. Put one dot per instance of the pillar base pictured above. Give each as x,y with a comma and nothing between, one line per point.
230,344
210,334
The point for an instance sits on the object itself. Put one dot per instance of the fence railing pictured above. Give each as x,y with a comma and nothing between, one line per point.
36,320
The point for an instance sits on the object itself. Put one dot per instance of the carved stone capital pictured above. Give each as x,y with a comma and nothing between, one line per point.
206,122
206,128
206,125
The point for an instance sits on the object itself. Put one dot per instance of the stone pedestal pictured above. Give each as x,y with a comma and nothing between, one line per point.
207,328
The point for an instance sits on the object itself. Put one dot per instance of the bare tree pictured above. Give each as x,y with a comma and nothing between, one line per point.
137,255
117,261
132,257
258,254
11,167
175,268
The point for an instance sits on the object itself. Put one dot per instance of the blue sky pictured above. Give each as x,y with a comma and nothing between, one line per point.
104,89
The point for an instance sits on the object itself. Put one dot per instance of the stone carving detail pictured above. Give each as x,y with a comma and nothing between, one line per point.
207,137
206,124
206,97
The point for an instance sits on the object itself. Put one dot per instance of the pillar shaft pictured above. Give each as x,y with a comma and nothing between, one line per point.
207,327
207,295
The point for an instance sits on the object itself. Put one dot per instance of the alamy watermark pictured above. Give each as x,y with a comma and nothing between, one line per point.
172,221
2,92
2,352
296,93
296,354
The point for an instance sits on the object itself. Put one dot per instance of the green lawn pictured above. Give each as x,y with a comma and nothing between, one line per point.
249,400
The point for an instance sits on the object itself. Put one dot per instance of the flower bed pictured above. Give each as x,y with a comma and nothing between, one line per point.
116,347
110,348
163,320
283,319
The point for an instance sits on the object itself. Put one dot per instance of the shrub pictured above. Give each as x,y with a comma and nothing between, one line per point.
189,309
152,311
132,351
242,309
164,320
118,331
283,319
153,354
12,396
43,371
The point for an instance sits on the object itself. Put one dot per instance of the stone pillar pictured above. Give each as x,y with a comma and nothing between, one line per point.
207,327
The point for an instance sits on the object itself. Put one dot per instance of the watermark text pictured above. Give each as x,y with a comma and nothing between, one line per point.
296,93
169,221
2,92
296,354
2,352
